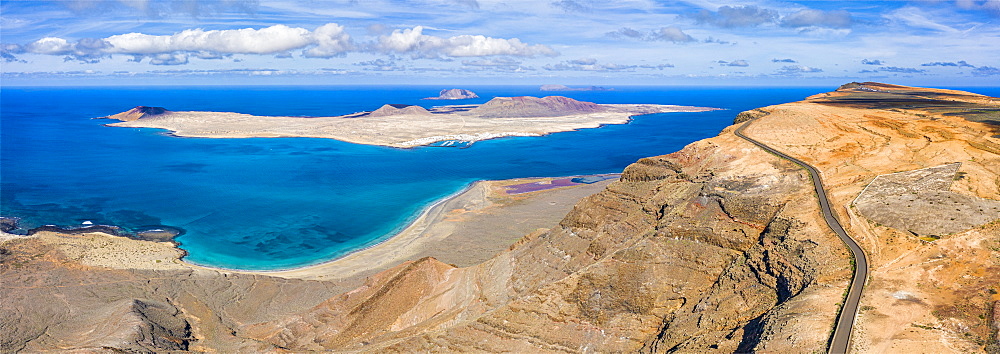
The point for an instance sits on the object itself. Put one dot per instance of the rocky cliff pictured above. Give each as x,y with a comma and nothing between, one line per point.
718,247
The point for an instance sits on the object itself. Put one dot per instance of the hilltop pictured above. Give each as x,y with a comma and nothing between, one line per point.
138,112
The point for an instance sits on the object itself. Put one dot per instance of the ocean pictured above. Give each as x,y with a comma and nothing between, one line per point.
275,203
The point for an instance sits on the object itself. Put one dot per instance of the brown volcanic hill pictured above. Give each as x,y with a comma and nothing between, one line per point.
454,94
138,112
526,106
397,110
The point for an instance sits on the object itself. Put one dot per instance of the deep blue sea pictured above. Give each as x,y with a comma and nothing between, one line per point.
285,202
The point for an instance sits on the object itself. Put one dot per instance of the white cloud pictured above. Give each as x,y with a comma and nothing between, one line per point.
737,16
796,70
168,59
51,46
673,34
740,63
326,41
669,34
268,40
817,18
414,42
992,6
915,17
331,40
589,64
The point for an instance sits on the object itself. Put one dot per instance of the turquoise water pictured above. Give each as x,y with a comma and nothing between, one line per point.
279,203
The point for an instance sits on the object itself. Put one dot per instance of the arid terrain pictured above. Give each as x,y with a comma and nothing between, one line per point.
719,247
404,125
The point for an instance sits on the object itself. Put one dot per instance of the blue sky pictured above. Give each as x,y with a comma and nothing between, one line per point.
573,42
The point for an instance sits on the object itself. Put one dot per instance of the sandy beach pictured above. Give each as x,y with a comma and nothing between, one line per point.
464,229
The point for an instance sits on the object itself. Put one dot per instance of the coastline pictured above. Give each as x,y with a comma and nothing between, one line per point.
438,223
410,223
402,130
480,220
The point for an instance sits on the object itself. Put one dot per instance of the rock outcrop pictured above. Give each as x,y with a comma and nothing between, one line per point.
454,94
526,106
138,112
921,202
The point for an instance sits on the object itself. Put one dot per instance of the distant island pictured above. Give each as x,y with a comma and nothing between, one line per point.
567,88
405,126
454,94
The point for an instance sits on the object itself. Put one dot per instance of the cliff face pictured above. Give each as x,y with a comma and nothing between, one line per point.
718,247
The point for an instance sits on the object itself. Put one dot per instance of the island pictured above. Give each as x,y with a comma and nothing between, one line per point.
567,88
454,94
405,126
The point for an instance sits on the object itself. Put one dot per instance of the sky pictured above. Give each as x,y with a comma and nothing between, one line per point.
482,42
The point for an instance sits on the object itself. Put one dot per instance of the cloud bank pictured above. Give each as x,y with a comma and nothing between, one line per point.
419,45
326,41
668,34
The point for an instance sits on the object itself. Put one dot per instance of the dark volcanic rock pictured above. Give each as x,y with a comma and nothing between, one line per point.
159,234
7,224
110,230
454,94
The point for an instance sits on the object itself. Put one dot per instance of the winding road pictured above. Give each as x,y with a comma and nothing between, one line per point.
841,338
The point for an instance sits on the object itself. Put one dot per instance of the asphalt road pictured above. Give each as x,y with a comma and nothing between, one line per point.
841,338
